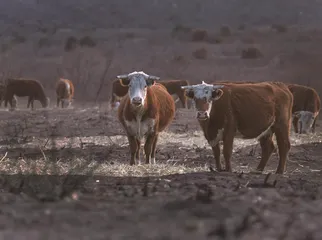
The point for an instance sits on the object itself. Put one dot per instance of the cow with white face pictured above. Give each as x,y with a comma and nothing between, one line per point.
227,110
144,111
305,120
203,95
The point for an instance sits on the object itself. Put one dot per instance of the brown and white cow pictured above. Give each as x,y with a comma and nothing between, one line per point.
64,92
255,110
173,87
145,111
306,108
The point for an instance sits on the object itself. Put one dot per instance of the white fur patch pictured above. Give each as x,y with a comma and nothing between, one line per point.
218,138
140,128
67,87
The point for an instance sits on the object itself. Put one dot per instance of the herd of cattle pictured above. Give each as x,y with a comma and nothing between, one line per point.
225,110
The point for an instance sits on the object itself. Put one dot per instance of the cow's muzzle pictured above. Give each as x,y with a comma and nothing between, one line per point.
201,115
136,101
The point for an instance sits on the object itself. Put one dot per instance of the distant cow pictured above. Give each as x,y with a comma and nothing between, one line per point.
173,87
30,88
64,91
145,111
306,107
14,98
255,110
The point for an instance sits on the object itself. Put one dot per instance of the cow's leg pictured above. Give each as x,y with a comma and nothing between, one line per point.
29,102
62,103
268,148
216,152
284,145
183,99
154,148
227,150
295,124
148,147
138,157
133,149
58,102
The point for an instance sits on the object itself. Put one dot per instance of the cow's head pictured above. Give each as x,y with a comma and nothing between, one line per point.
138,82
203,95
305,120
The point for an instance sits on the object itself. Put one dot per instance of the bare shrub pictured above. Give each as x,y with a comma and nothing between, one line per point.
70,43
251,53
199,35
87,41
43,42
242,27
200,53
279,28
225,31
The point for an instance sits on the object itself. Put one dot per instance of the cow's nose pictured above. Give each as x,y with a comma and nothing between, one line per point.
137,100
202,115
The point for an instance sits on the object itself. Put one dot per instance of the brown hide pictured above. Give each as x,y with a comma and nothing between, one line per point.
172,86
251,109
62,91
305,99
30,88
158,105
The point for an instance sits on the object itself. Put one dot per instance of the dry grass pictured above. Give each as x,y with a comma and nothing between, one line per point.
84,167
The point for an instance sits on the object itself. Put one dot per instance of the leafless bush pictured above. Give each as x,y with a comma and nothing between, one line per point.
87,41
43,42
251,53
279,28
199,35
70,44
200,53
225,31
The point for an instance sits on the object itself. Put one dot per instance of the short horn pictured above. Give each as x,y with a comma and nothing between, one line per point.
218,86
154,77
122,76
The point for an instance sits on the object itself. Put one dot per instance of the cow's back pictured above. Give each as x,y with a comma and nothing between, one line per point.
254,106
24,87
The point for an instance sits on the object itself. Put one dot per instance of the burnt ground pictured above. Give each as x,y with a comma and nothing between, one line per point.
66,176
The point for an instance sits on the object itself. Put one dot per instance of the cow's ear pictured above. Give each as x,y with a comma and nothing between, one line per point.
190,94
124,80
150,82
216,94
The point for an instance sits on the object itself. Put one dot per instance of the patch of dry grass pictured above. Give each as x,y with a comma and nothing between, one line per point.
84,167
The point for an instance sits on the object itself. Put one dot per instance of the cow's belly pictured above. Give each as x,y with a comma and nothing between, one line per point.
140,129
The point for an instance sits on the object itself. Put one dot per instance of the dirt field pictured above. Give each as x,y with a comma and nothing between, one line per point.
66,176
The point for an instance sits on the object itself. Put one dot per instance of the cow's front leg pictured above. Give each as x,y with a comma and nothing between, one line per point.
216,152
133,149
227,150
148,147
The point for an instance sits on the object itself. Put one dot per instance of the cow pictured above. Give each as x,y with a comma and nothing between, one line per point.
172,86
306,107
30,88
145,111
255,110
64,91
14,98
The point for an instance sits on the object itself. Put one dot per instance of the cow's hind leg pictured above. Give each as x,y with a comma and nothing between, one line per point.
313,125
154,148
284,145
58,102
183,99
148,147
133,149
227,150
268,148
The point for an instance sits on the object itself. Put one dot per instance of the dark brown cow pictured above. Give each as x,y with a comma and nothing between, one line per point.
173,87
64,91
255,110
145,111
30,88
306,107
